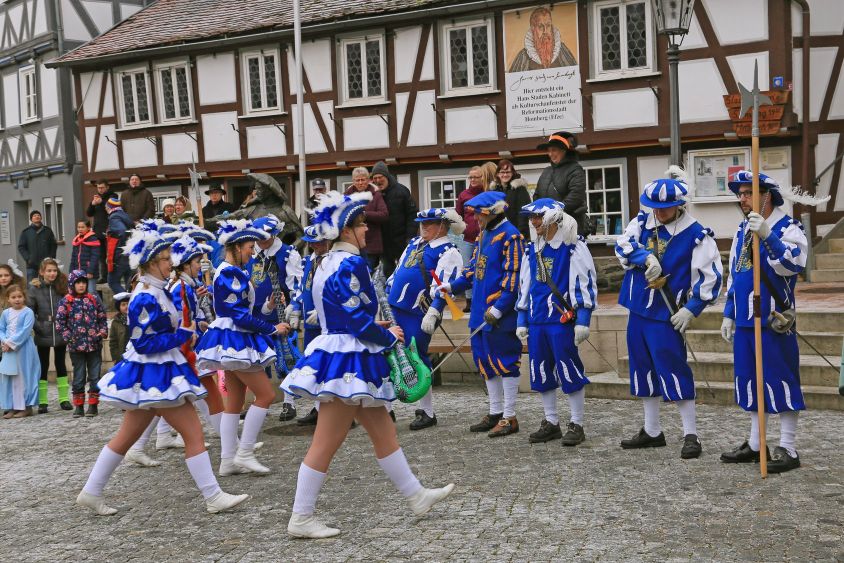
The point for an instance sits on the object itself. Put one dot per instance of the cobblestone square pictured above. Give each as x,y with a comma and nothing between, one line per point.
514,501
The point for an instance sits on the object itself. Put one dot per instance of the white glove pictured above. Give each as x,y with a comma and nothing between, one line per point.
522,332
492,316
288,311
727,329
440,289
581,333
205,265
652,268
312,319
681,319
293,319
430,320
757,224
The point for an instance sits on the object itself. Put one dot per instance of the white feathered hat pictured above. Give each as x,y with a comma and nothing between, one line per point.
239,230
143,245
336,211
186,249
456,223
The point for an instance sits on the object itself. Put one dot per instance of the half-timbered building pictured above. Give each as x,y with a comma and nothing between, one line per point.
434,86
39,164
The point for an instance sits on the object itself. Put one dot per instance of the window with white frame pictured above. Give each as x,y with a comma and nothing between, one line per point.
468,56
28,94
134,97
261,81
442,191
174,91
605,199
362,67
52,215
623,37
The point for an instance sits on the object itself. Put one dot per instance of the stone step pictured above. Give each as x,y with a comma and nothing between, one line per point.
836,245
827,343
829,261
828,276
609,386
715,366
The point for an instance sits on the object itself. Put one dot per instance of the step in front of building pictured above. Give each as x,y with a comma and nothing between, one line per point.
826,343
832,261
828,276
836,245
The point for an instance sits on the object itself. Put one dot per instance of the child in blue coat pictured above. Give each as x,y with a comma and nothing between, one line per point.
20,369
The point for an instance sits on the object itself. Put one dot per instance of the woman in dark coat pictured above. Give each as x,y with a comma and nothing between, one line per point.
510,182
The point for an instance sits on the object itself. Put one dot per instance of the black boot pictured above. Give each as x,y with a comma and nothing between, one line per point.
66,406
468,307
782,461
691,447
574,435
423,420
288,412
92,411
546,433
309,419
644,440
42,409
79,411
393,416
487,423
743,454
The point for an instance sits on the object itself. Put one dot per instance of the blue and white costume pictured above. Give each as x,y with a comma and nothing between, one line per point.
20,369
280,260
347,360
566,261
154,372
236,340
411,285
494,274
684,252
303,298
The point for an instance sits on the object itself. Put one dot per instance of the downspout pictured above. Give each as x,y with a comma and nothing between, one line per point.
806,182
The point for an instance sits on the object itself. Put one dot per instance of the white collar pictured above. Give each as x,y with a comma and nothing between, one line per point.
152,281
270,250
187,279
554,242
674,227
437,242
530,48
776,215
341,246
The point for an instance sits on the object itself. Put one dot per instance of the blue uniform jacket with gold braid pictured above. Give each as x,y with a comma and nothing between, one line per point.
493,274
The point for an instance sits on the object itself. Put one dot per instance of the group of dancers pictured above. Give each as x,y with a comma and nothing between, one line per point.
544,291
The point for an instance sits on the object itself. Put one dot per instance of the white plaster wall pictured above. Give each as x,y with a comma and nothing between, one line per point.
127,10
313,138
100,12
73,26
824,155
836,109
401,108
10,99
365,133
40,17
649,168
90,133
821,61
326,108
624,108
49,92
179,149
14,12
216,77
220,140
406,44
738,22
316,63
106,152
265,141
90,84
694,38
31,140
50,135
742,67
139,153
470,124
423,125
428,63
826,17
701,91
13,143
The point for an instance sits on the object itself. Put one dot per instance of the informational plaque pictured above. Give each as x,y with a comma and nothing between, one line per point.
5,229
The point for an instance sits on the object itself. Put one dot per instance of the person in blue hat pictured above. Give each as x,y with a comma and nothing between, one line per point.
557,294
410,288
673,271
783,249
493,274
154,378
345,368
274,260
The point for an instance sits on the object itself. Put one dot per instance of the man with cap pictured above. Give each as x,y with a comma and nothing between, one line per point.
410,288
216,205
564,180
493,272
557,294
673,271
274,261
782,250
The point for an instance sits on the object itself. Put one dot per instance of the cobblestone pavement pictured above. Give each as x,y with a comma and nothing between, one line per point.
514,500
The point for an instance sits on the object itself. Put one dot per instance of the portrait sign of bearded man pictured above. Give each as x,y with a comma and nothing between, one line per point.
544,48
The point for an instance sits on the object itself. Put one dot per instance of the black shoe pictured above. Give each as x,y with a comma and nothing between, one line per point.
487,423
468,307
309,419
393,415
288,412
691,447
92,411
742,454
66,406
644,440
782,461
79,412
42,409
574,435
423,421
546,433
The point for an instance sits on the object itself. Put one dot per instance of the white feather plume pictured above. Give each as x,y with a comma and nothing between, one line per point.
14,266
797,195
457,225
677,173
566,224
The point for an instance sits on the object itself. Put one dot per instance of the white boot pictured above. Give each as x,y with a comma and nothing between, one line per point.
246,459
307,526
422,501
95,503
167,440
258,445
227,467
138,457
223,501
